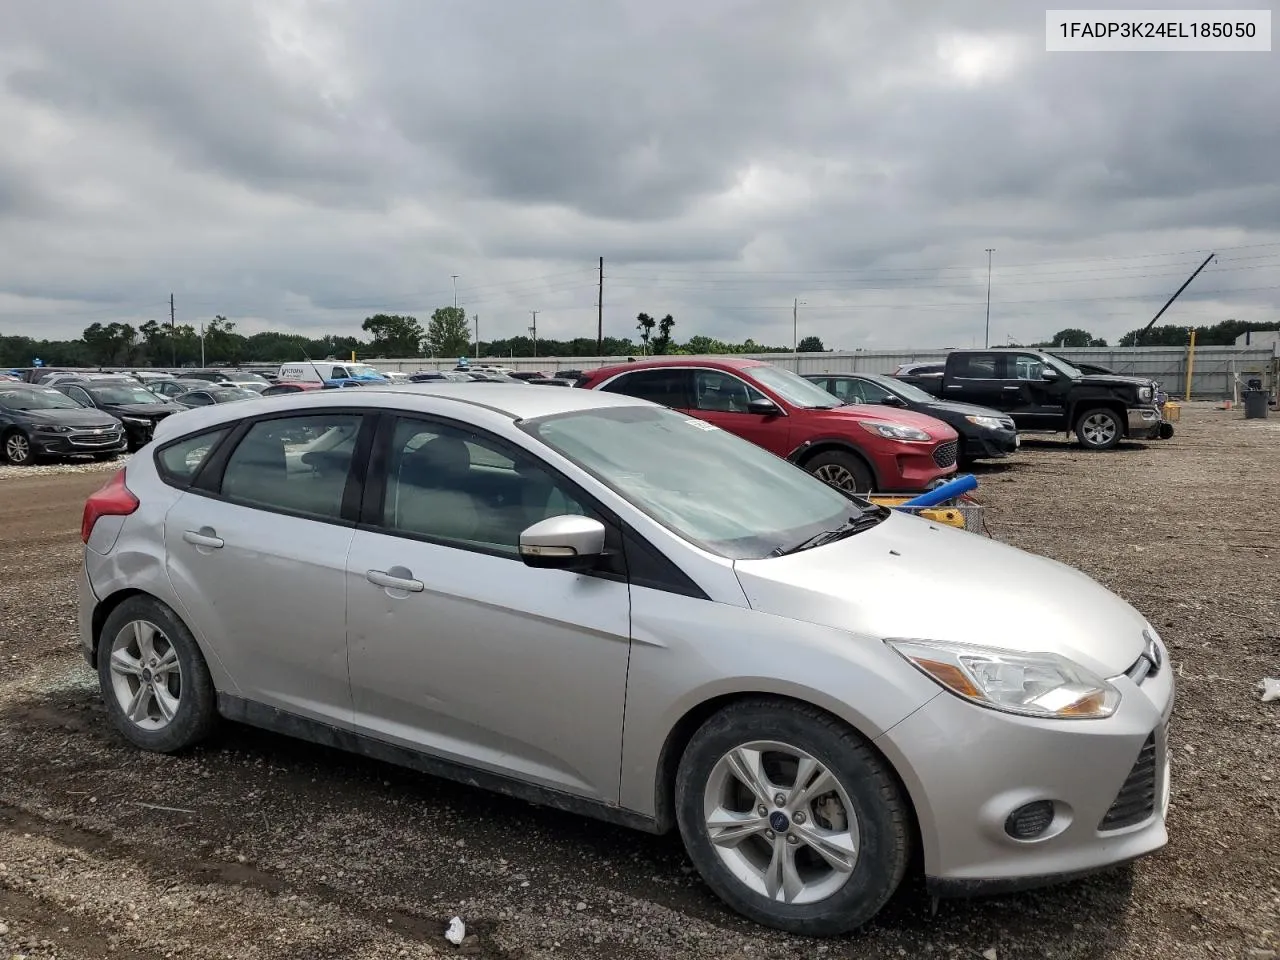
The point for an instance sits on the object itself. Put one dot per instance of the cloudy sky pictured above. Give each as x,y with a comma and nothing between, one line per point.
301,165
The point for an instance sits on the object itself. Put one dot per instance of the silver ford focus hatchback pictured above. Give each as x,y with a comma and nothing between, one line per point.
606,606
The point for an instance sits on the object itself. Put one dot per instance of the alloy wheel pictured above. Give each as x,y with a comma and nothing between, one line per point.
145,675
17,448
838,476
781,822
1099,429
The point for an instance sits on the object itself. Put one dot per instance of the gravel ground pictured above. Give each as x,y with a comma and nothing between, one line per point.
260,847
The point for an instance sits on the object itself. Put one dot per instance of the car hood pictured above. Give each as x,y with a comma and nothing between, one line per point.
840,416
909,578
1115,380
962,410
148,410
83,417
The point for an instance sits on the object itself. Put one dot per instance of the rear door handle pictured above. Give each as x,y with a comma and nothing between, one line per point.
204,537
381,578
1013,388
955,386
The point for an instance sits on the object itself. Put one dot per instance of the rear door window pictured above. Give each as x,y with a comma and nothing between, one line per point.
671,388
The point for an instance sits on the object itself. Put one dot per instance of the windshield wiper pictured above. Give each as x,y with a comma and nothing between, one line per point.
864,521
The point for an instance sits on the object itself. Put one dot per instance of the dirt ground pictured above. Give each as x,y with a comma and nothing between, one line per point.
257,846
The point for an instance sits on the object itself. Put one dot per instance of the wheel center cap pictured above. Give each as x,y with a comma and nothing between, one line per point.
146,674
778,822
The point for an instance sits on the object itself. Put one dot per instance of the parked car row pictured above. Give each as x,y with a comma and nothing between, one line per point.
615,608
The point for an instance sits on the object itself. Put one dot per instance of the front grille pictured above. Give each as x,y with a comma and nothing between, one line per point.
1148,663
1136,800
104,439
945,454
1008,424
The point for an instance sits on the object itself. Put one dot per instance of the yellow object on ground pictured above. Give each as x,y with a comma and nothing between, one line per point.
1171,411
948,515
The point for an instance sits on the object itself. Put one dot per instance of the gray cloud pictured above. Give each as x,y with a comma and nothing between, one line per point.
303,165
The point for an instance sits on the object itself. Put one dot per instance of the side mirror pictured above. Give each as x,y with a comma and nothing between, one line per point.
893,400
764,407
1048,373
566,542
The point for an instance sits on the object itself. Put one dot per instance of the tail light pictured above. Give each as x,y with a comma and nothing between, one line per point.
112,499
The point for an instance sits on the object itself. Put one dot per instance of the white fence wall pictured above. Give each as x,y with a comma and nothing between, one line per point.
1214,372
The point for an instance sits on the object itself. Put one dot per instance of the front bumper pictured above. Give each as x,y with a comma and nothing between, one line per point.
909,467
967,768
78,442
1144,423
990,444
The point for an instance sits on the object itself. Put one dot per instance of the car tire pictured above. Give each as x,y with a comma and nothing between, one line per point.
1099,429
154,678
759,735
843,470
17,450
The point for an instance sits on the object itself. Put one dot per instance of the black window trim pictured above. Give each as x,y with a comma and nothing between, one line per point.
178,483
207,481
623,543
687,388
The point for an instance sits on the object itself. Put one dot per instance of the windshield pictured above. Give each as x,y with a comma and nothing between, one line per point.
792,387
363,370
121,394
243,376
905,390
38,399
1062,366
223,394
722,493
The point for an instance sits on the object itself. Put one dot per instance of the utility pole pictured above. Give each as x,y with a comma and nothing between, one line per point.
455,291
600,314
795,332
173,334
986,340
477,336
534,331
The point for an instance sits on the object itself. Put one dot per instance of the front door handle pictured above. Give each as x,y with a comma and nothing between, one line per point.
204,537
382,578
1013,388
955,386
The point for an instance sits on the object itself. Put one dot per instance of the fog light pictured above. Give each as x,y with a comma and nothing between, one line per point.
1030,820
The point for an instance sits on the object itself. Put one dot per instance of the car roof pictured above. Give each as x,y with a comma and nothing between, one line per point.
472,400
715,362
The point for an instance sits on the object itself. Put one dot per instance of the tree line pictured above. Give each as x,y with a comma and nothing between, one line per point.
448,333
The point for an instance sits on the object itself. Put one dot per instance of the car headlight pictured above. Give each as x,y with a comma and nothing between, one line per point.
893,431
1030,684
1144,393
991,423
136,421
51,428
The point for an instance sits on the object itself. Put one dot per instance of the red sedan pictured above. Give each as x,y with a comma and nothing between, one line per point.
857,448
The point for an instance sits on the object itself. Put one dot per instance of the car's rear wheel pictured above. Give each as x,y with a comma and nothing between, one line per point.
842,469
791,818
153,677
17,449
1099,429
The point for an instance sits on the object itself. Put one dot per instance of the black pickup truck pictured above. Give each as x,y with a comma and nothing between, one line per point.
1045,393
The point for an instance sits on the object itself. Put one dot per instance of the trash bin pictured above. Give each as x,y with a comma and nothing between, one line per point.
1255,404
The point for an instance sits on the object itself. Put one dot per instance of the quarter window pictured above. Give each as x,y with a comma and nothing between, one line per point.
294,464
178,462
445,483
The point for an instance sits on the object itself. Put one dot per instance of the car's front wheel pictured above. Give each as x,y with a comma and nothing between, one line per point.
843,470
791,818
1099,429
17,449
153,677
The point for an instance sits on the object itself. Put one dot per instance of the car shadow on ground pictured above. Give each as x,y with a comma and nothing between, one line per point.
295,784
1050,443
